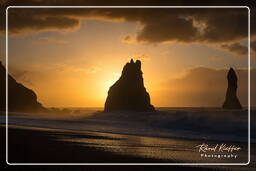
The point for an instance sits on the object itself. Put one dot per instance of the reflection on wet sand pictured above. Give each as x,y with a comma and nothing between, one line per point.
152,147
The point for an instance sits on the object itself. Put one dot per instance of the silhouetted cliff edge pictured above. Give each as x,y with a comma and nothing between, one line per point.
128,93
20,98
231,101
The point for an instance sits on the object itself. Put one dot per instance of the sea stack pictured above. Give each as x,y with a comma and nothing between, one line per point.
128,93
20,98
231,101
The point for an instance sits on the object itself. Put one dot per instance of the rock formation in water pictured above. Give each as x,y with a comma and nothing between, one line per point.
20,98
231,101
128,93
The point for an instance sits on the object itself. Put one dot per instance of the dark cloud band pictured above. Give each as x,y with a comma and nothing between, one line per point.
158,25
236,48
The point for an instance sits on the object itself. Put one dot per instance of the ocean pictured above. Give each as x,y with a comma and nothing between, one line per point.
169,133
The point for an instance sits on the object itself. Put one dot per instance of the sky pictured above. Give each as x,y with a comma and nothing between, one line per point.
70,57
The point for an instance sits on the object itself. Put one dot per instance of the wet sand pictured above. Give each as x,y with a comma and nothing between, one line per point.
41,146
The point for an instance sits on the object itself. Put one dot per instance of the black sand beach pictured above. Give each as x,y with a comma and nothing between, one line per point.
27,145
41,146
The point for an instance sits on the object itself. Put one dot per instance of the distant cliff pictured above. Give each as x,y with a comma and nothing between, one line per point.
231,101
20,98
128,93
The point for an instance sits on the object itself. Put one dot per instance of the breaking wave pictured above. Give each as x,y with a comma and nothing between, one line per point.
189,123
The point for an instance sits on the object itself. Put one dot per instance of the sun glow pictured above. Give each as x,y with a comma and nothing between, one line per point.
78,68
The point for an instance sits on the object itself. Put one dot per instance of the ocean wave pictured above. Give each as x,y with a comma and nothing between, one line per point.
201,124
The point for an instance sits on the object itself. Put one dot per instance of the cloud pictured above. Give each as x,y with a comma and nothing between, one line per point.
203,86
253,49
50,40
129,39
230,25
216,57
236,48
253,45
94,70
142,57
29,20
157,25
21,75
168,28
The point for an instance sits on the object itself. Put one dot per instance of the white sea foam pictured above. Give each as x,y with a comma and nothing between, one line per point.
190,123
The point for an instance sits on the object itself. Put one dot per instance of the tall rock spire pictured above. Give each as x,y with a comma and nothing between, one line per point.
128,93
231,101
